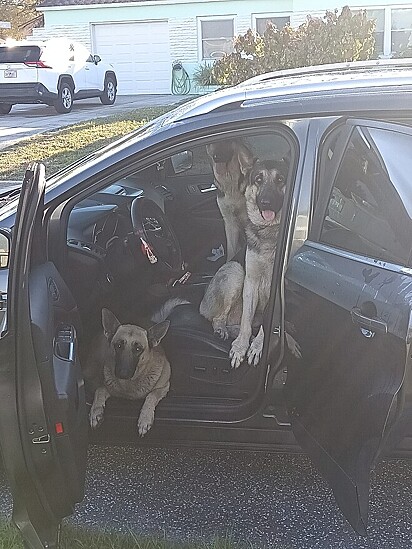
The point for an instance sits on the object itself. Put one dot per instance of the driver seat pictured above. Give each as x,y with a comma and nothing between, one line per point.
200,360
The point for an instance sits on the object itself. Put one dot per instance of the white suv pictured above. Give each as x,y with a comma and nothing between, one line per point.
55,72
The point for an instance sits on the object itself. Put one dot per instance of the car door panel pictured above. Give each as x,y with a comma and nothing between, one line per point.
341,392
44,440
351,315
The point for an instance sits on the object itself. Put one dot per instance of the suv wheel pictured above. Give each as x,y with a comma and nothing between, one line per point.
64,101
5,108
108,97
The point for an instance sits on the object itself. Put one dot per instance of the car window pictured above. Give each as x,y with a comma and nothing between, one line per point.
19,54
266,146
370,205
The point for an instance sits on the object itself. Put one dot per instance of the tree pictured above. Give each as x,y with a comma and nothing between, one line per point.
17,12
331,39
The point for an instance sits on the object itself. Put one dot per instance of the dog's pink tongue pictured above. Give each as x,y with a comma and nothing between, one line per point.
268,215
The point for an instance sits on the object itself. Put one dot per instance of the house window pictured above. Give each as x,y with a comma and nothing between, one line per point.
379,17
401,30
261,23
216,37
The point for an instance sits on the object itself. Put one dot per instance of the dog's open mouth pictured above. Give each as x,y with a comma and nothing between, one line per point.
268,215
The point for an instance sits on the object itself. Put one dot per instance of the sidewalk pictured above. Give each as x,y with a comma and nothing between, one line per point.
27,120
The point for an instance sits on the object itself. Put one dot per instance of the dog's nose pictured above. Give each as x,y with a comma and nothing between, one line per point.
265,205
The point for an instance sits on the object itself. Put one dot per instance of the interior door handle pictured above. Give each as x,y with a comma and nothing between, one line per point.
372,324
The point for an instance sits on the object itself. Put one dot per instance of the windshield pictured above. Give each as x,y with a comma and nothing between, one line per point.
19,54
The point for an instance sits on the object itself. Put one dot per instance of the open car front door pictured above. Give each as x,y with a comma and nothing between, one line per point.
349,287
43,418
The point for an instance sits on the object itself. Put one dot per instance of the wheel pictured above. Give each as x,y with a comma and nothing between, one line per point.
64,101
5,108
108,97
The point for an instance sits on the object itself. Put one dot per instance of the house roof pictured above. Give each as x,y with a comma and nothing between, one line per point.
62,3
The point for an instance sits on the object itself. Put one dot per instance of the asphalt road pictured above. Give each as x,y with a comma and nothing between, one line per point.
28,120
256,499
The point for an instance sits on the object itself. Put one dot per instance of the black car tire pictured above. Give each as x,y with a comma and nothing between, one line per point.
108,97
64,102
5,108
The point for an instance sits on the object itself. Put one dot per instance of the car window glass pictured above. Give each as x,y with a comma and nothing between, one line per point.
19,54
81,54
370,207
266,146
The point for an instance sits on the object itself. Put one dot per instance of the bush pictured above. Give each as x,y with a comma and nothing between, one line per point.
331,39
203,76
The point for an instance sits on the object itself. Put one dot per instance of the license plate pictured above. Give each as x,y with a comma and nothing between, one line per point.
10,73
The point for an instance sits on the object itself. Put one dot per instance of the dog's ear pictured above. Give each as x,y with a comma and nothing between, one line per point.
245,158
110,323
156,333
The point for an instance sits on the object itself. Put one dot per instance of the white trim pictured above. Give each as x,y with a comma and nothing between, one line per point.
127,21
268,15
122,4
223,17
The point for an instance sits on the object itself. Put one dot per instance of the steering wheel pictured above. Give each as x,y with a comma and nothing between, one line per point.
156,236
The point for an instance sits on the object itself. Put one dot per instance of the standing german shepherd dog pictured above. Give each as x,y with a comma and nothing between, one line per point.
238,296
128,362
231,160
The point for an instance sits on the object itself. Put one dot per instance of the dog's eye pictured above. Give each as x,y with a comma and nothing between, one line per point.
259,178
119,345
138,348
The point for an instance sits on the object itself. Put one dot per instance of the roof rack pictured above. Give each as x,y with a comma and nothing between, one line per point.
330,67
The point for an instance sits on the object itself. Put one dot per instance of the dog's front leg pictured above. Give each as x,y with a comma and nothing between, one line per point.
241,344
256,347
232,238
97,410
146,416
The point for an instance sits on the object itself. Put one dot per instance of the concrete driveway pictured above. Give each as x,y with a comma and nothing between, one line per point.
28,120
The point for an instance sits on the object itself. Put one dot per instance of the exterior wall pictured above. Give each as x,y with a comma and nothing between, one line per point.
183,16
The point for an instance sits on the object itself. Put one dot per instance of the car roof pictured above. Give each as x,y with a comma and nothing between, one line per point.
348,80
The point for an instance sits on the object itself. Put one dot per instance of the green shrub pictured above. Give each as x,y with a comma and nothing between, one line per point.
331,39
203,75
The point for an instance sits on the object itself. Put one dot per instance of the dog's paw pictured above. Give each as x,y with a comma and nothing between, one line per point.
237,352
255,350
220,328
222,332
96,416
293,346
254,353
145,423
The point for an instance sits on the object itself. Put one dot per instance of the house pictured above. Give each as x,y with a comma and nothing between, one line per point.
142,38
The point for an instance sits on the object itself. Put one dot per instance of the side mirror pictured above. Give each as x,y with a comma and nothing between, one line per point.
5,240
182,161
97,59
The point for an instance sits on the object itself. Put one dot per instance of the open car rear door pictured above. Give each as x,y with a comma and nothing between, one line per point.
43,418
350,289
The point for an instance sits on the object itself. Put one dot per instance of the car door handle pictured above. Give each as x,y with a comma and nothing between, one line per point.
368,323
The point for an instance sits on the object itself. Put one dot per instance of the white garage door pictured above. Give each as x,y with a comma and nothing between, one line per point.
140,54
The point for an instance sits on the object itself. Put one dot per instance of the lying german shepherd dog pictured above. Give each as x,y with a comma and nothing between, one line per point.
231,160
127,361
236,298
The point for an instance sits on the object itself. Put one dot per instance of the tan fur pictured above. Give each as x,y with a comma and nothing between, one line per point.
237,296
229,178
151,369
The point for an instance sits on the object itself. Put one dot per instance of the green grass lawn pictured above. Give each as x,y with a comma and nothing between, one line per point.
79,538
59,148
